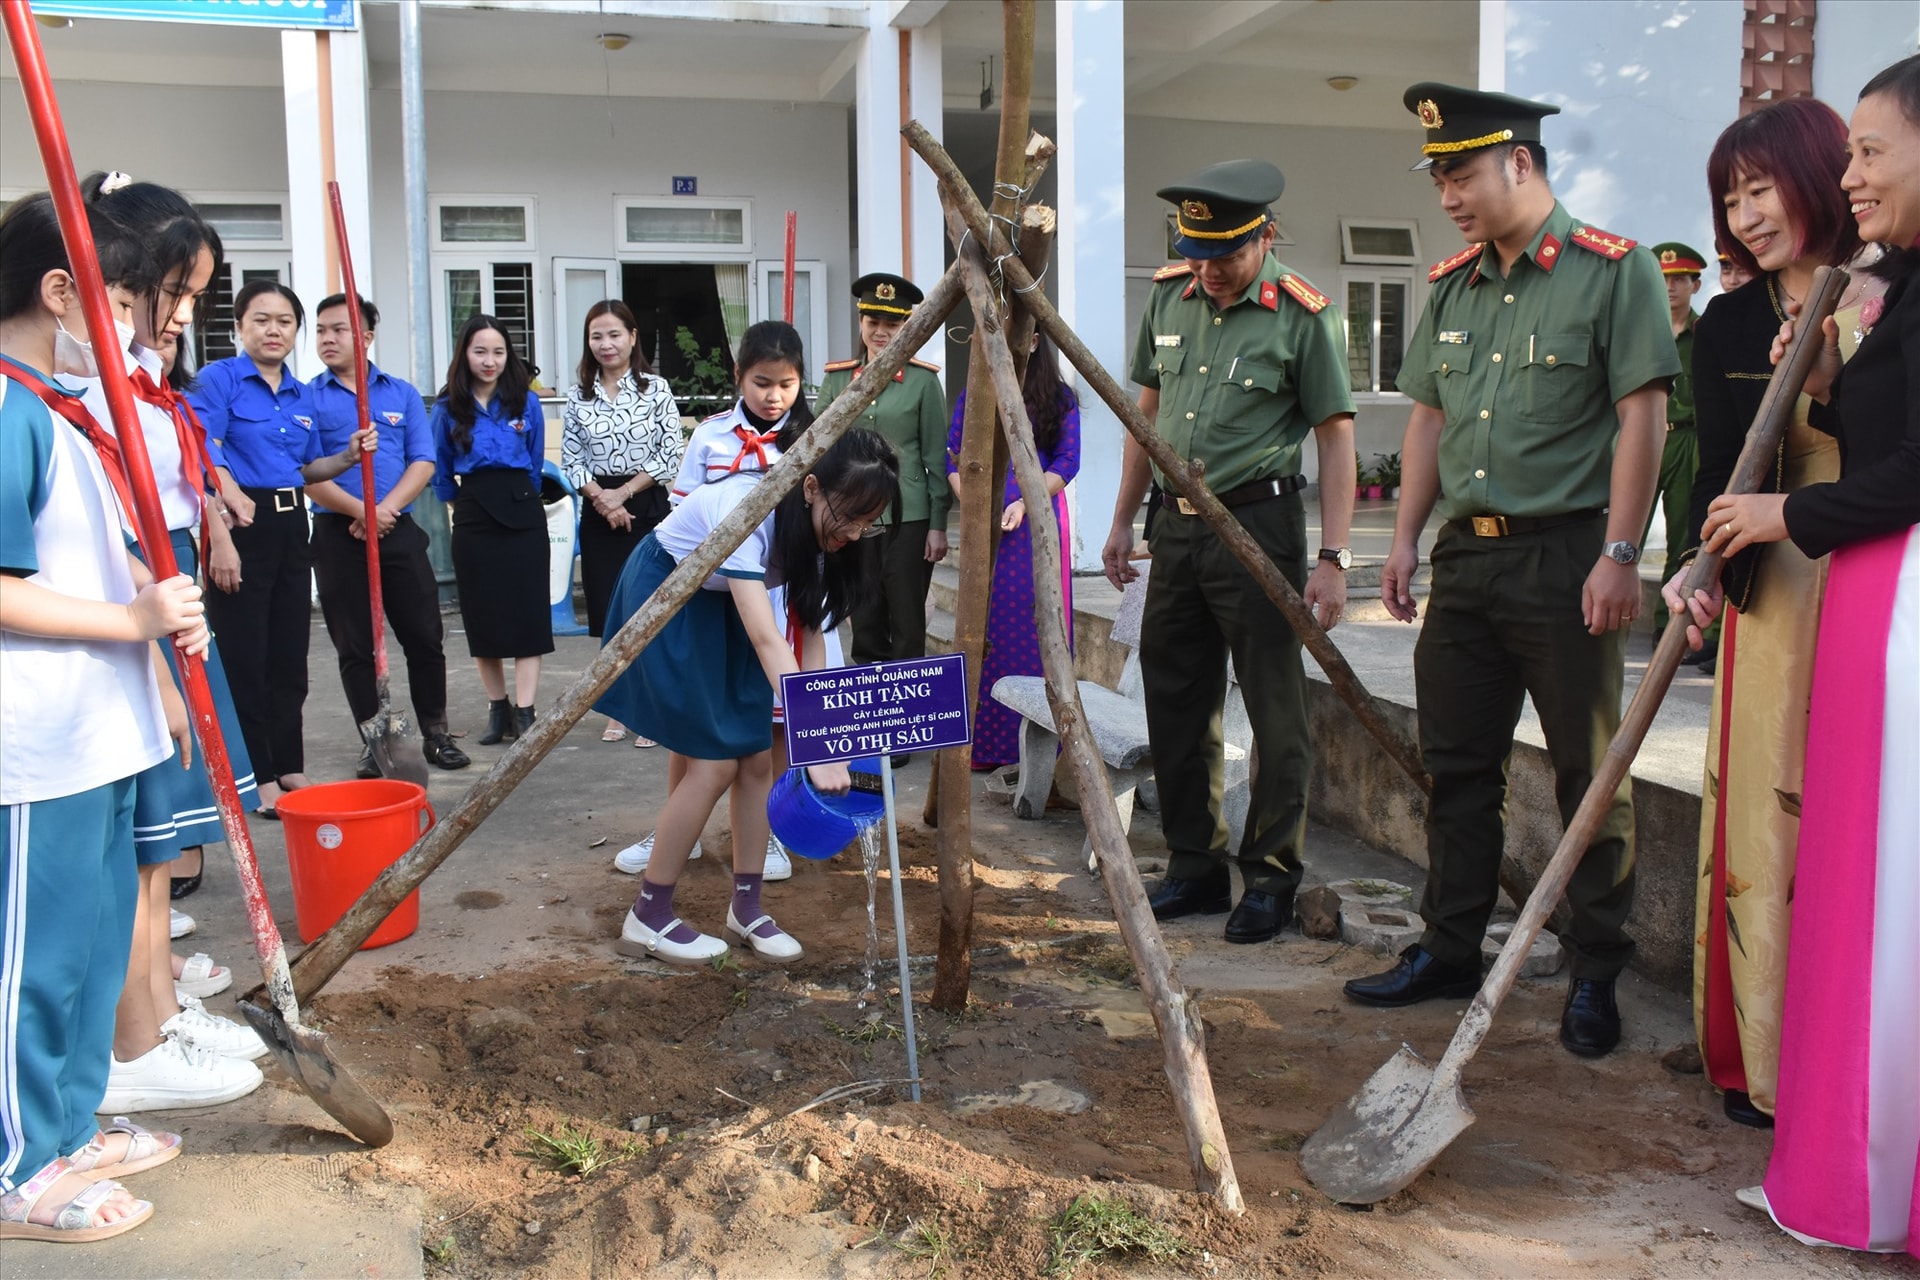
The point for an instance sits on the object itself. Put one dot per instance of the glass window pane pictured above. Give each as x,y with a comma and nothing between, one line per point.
1380,242
1393,332
772,307
242,222
483,223
685,224
513,304
1360,335
463,302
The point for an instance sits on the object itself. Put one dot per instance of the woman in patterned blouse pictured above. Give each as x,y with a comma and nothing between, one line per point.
620,447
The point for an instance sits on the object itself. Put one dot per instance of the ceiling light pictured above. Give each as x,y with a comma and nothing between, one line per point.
613,41
1340,84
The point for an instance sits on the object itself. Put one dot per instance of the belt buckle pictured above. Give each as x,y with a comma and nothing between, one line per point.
1185,508
1489,526
288,497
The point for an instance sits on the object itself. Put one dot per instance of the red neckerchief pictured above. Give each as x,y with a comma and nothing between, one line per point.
192,435
753,442
795,633
103,441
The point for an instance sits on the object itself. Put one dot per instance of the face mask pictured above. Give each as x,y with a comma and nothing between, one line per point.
75,358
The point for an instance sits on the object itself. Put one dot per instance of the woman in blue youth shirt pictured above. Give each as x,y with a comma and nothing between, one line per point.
260,436
489,439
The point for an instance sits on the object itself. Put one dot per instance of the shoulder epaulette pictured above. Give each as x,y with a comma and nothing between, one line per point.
1454,263
1305,294
839,366
1604,243
1169,273
925,365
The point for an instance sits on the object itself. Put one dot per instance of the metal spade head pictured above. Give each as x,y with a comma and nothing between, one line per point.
1386,1134
303,1053
395,746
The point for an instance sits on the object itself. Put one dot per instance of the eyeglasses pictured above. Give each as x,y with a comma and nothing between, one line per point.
858,529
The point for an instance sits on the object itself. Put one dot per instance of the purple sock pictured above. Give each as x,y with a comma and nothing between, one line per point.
654,909
746,903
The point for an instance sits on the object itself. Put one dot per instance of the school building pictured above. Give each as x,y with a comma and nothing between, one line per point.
651,149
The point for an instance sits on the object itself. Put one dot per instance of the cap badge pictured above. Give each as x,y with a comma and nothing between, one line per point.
1668,257
884,292
1196,210
1429,113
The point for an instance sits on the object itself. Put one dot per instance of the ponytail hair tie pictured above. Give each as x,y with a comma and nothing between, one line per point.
114,181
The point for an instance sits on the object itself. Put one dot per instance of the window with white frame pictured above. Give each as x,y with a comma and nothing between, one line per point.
1387,242
1379,317
680,226
483,263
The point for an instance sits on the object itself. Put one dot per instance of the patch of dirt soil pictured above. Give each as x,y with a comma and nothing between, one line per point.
705,1089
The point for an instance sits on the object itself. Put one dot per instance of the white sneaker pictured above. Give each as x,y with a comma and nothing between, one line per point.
174,1075
179,923
779,865
780,948
203,1030
638,940
634,858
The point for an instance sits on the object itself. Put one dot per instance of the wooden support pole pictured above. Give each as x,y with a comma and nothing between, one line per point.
319,962
979,537
1182,1037
1184,479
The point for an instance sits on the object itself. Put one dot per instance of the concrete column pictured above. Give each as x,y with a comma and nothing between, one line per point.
876,109
310,229
1090,250
926,236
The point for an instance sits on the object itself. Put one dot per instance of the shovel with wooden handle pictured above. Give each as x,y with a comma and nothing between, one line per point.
301,1051
389,734
1387,1134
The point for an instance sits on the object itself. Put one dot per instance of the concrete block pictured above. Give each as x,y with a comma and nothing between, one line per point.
1544,957
1383,930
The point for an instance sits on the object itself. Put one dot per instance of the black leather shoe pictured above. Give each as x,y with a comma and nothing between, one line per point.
1417,977
366,768
441,752
1740,1109
522,721
1590,1026
1259,916
499,723
1206,895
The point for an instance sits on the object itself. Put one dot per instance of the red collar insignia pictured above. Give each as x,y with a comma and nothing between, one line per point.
1270,295
1549,253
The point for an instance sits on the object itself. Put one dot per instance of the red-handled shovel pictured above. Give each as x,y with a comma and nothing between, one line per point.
389,734
301,1051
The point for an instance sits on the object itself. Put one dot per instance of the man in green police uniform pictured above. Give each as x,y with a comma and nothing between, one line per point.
1539,373
1682,267
1239,359
912,414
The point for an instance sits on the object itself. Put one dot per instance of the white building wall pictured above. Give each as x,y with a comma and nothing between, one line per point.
199,139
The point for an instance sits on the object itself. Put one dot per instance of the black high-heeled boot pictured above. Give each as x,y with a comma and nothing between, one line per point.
499,722
522,720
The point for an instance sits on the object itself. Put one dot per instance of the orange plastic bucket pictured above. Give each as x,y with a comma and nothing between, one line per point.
340,837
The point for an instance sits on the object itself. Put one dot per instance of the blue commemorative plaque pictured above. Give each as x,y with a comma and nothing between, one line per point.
846,713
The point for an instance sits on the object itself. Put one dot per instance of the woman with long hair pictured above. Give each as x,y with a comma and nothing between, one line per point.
489,441
1013,641
1778,208
620,446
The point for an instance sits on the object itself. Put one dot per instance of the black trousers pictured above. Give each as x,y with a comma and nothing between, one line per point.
411,600
1503,624
604,549
263,629
892,625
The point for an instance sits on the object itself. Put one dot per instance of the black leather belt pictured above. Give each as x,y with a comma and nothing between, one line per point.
1508,526
283,500
1242,495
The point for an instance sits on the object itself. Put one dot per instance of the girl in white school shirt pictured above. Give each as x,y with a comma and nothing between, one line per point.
704,687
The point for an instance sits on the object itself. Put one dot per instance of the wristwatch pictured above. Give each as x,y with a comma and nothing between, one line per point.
1622,552
1342,557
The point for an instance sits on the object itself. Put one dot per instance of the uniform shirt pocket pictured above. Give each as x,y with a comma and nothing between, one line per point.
1556,385
1246,393
1167,361
1450,363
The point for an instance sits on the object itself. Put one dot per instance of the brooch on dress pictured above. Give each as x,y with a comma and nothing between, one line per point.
1869,316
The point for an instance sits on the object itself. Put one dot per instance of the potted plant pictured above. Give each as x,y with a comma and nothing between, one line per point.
1388,474
1359,477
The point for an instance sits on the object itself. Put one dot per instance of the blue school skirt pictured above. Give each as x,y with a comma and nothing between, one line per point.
173,808
698,688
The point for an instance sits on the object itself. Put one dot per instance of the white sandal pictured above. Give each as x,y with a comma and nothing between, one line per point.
78,1223
779,949
146,1149
200,977
638,940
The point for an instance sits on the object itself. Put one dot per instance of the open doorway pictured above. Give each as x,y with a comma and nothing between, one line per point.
667,297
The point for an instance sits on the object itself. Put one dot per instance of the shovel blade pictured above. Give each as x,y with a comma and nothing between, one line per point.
1386,1135
395,746
304,1054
